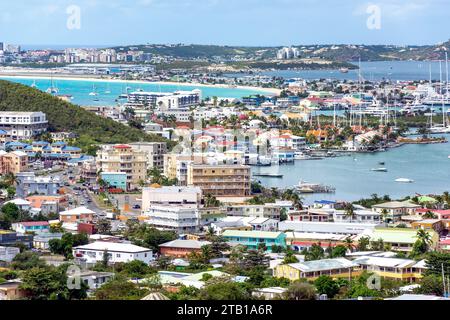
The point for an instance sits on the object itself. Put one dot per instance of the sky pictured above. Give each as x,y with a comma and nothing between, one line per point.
224,22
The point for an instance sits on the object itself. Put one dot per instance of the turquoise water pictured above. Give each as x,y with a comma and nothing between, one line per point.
378,70
80,89
427,165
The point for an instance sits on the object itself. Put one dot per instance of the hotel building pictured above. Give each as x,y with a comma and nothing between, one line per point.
23,125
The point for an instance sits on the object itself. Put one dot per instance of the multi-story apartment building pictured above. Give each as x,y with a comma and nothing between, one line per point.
182,219
262,211
166,101
180,196
23,125
89,172
176,167
13,162
220,180
28,183
155,153
122,158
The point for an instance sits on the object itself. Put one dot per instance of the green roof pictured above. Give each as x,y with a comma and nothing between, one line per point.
397,235
252,234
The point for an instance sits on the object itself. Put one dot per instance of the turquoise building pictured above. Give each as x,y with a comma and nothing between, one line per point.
252,239
117,180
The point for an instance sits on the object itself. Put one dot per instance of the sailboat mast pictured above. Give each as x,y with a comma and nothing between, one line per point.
446,84
442,94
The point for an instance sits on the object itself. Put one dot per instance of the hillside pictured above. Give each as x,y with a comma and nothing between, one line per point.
64,116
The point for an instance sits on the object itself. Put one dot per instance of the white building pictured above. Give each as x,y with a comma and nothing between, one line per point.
182,219
117,252
181,196
7,254
23,125
251,223
359,216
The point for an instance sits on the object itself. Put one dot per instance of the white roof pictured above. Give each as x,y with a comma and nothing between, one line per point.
77,211
385,262
323,265
113,247
19,202
417,297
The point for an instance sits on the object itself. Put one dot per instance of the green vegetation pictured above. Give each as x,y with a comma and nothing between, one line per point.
64,116
67,242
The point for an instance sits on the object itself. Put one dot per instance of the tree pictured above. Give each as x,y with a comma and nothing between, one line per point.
27,260
224,290
326,285
363,244
377,245
290,257
120,289
423,243
104,226
349,243
300,291
431,284
338,251
50,283
134,269
315,252
68,241
211,201
349,211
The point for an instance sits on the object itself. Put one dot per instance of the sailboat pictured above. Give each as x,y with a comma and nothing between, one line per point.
93,93
108,90
444,127
52,89
34,84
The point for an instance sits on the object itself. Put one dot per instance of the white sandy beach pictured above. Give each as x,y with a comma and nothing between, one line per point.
36,75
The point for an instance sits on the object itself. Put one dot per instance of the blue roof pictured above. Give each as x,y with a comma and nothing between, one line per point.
59,143
325,202
3,132
36,143
28,148
16,144
71,149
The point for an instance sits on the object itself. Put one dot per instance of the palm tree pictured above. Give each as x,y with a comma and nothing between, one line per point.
424,237
384,214
349,243
10,179
350,211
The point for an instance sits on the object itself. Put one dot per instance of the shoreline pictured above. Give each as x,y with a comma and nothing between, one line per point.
93,78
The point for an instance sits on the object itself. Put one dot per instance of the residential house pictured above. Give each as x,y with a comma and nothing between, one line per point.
253,239
31,227
181,248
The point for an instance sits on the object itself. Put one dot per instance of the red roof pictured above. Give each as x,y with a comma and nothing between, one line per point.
34,223
122,146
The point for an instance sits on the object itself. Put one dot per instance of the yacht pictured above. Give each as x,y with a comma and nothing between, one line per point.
414,107
34,84
404,180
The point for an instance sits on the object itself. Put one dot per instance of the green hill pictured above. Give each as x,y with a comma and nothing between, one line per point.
64,116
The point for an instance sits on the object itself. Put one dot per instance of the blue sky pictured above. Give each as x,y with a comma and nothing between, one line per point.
232,22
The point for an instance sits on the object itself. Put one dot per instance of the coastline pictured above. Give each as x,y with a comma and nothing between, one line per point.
93,78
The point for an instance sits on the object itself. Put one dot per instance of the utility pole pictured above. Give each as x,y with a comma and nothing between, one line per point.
443,278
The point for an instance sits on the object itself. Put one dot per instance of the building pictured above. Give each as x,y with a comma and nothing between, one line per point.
10,290
396,209
166,101
117,252
122,158
46,204
311,270
400,239
23,125
80,214
89,172
7,254
182,219
253,239
406,270
94,279
13,162
31,227
155,153
339,228
268,210
221,180
244,223
359,216
273,293
28,183
181,248
176,167
116,180
22,204
41,241
11,238
173,196
429,225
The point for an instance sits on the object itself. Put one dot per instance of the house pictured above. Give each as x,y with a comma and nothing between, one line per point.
94,279
28,183
400,239
10,290
46,204
359,216
7,254
181,248
396,209
340,228
80,214
245,223
117,252
269,293
299,241
428,224
22,204
253,239
392,268
311,270
41,240
11,238
31,227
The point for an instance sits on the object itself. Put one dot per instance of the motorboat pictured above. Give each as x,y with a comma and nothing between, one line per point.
404,180
379,170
